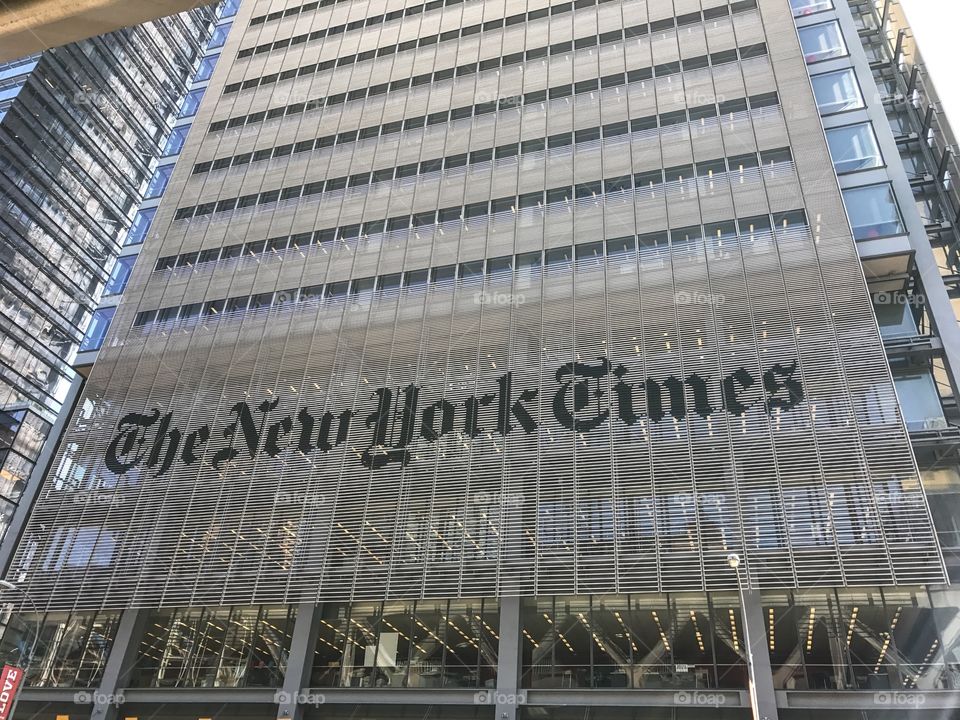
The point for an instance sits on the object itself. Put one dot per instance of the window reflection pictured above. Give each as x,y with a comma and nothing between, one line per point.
873,211
854,147
837,91
633,641
71,649
215,647
97,331
895,315
229,8
205,68
942,486
861,639
422,644
808,7
219,36
191,101
918,396
119,275
175,140
822,42
140,227
158,183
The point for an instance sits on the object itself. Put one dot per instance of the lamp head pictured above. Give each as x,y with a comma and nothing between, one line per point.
733,560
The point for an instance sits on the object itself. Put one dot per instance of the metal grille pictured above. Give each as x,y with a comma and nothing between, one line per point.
469,495
821,493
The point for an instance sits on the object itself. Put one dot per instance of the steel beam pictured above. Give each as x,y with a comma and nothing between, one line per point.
755,632
508,695
108,698
299,663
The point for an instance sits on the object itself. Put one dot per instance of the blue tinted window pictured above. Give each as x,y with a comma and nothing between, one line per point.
97,330
190,103
140,227
219,36
119,275
205,69
158,183
229,8
175,140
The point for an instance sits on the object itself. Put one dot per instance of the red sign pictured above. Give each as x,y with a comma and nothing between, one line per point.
10,679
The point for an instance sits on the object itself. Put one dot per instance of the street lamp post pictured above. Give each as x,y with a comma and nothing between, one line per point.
6,585
733,560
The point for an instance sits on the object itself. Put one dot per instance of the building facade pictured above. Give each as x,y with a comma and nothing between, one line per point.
473,339
81,127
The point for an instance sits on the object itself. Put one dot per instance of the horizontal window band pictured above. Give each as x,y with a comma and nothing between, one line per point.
558,91
336,29
703,170
650,182
662,70
536,96
643,180
615,248
665,24
311,6
634,125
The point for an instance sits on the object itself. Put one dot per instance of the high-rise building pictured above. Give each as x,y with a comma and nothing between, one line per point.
523,361
81,127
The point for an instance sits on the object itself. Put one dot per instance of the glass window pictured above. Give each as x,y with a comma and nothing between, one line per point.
219,36
621,641
919,400
407,644
71,648
837,91
943,485
822,42
229,8
221,647
873,211
894,315
97,330
175,140
158,183
854,147
191,102
808,7
119,275
205,68
140,227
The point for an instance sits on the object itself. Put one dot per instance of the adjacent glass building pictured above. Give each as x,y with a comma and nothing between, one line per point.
81,127
469,341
